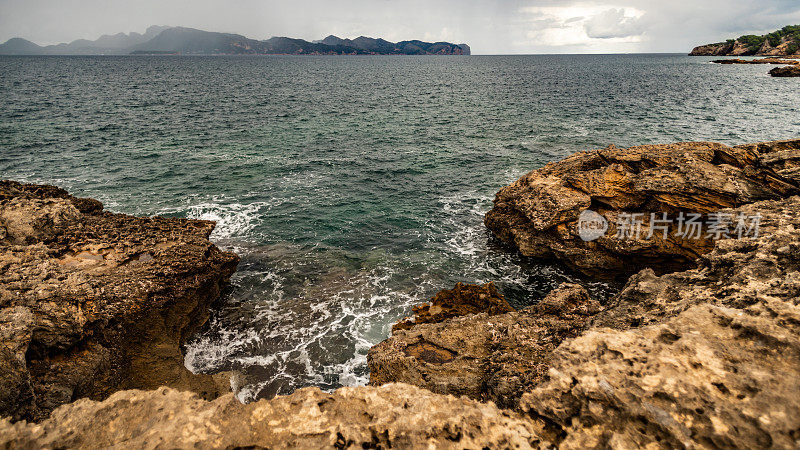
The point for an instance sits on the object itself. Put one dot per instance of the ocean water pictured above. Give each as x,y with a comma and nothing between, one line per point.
352,187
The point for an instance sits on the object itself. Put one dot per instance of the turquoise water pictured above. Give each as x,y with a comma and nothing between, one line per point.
352,187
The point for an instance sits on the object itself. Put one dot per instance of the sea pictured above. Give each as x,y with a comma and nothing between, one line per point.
352,188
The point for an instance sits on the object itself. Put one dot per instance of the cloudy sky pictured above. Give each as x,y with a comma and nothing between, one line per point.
489,27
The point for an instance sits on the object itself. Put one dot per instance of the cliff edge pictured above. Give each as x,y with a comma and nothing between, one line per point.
784,42
92,302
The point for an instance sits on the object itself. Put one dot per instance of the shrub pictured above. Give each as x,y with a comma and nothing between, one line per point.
752,42
774,38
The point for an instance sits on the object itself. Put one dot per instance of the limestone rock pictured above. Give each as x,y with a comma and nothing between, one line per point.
462,300
392,416
539,214
483,356
92,302
705,357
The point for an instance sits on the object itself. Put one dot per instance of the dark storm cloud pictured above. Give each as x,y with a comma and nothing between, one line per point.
495,26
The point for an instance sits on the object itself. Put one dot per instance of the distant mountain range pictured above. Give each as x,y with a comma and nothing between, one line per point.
784,42
190,41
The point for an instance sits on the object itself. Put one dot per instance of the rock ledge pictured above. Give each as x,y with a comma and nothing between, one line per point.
92,302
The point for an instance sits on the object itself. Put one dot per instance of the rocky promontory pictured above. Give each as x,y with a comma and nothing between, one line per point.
540,214
783,42
92,302
704,357
700,348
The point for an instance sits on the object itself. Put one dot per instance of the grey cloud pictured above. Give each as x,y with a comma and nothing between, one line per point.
613,23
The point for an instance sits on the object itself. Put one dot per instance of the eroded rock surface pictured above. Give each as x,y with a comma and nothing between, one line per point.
392,416
539,213
463,299
483,356
707,357
92,302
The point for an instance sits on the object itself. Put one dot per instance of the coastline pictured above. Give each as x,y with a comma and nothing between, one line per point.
676,358
790,67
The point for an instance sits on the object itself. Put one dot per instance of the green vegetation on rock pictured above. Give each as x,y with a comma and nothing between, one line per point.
783,42
752,42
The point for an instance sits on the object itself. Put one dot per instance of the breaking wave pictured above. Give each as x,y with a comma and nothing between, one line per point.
302,316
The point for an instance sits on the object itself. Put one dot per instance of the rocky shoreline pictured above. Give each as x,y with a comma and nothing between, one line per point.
701,348
93,302
783,42
791,66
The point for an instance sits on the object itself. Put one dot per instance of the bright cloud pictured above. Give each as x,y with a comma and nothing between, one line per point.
615,23
583,25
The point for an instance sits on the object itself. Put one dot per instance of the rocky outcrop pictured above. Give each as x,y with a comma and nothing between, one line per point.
792,70
788,71
783,42
462,300
719,49
628,192
392,416
757,61
92,302
484,356
708,357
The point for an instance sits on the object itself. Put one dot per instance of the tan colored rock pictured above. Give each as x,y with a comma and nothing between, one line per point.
706,357
392,416
611,185
710,377
92,302
650,180
483,356
543,196
462,300
34,220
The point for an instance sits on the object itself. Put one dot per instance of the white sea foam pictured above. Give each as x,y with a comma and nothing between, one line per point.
286,331
233,220
352,315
